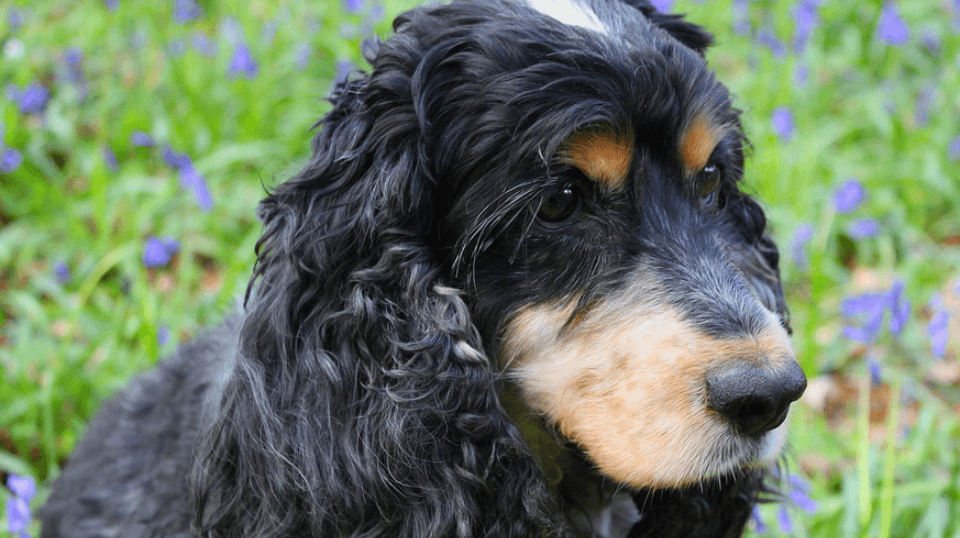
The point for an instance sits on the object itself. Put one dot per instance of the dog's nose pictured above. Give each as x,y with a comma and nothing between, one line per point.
753,398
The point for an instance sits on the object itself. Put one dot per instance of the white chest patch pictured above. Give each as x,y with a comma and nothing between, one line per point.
570,12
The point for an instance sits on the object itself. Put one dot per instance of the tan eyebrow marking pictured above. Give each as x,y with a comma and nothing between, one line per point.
698,142
603,156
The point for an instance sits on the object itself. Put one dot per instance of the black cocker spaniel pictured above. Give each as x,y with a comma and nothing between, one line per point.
516,291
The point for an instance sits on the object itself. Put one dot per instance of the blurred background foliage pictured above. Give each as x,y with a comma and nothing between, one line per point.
136,139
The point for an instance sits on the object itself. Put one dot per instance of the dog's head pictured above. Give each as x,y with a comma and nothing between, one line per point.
531,197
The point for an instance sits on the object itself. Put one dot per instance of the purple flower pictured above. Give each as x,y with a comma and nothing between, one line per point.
10,160
24,487
869,305
353,6
783,520
741,17
159,252
242,62
757,518
806,20
931,42
203,44
33,99
141,139
110,158
18,506
899,308
953,149
800,494
14,18
176,48
301,56
112,5
849,196
175,160
772,42
922,113
783,123
163,336
62,271
190,179
891,28
801,236
73,55
344,67
664,6
186,10
863,228
939,333
801,74
876,371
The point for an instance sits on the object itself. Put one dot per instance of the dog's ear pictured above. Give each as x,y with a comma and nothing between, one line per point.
361,401
691,35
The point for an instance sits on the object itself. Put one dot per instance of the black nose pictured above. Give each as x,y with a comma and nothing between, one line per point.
753,398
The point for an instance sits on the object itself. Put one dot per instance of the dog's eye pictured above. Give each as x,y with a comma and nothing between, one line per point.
708,184
561,204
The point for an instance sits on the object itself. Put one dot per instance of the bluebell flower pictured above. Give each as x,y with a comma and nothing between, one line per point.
800,494
163,336
141,139
870,306
176,48
783,520
899,308
926,97
953,149
801,236
741,17
186,10
758,524
242,62
849,196
863,228
33,99
268,33
931,41
344,67
301,56
891,29
112,5
938,328
377,12
801,74
664,6
876,371
782,121
110,159
14,19
24,488
768,39
10,160
73,55
203,44
353,6
62,270
806,20
159,252
190,179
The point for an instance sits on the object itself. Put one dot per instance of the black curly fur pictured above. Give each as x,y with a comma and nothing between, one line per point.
359,393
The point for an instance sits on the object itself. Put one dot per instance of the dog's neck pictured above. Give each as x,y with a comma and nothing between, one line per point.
594,506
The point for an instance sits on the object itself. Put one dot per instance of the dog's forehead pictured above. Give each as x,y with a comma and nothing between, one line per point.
606,17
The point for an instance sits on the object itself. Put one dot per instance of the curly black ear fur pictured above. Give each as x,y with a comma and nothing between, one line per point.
361,402
688,33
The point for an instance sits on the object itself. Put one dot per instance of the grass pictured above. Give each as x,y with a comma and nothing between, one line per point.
877,439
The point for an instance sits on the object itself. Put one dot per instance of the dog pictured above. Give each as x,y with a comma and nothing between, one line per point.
517,291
